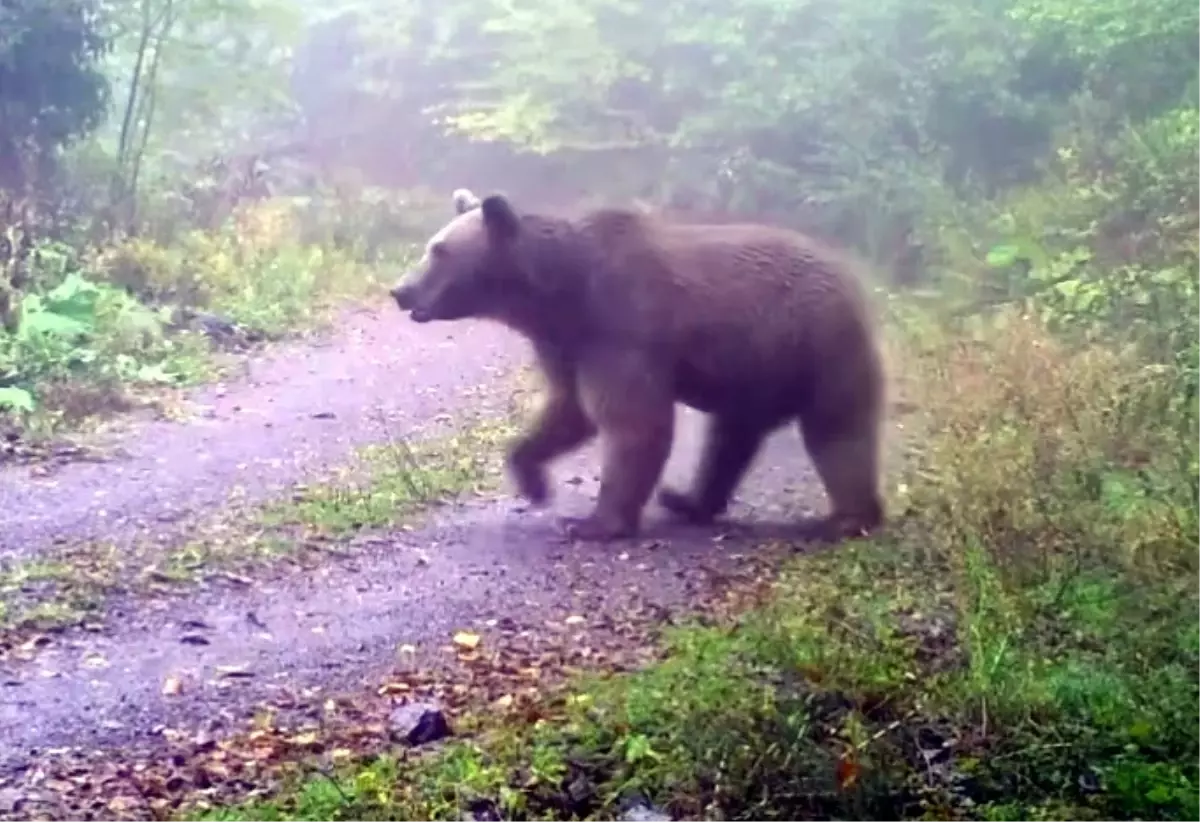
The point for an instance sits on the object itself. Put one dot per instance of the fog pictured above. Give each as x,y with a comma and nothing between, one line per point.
258,525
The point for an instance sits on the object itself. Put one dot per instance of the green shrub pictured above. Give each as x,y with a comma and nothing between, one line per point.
80,344
92,327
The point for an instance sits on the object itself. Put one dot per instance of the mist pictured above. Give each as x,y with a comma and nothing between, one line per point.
271,549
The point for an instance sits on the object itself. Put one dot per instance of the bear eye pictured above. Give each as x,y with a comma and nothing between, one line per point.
438,251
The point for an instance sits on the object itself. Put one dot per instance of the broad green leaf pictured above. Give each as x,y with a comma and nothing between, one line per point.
1002,256
17,399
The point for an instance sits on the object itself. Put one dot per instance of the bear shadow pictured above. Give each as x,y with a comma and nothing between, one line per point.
544,527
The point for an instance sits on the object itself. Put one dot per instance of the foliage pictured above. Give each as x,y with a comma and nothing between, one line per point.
1023,646
51,88
1025,643
1103,248
1142,54
191,74
94,326
92,336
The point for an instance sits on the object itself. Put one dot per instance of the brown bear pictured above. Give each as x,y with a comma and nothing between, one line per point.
629,314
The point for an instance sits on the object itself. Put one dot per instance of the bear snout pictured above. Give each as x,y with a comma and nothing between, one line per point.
404,295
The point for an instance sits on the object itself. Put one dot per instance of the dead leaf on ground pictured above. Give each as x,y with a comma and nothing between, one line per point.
234,671
467,639
172,686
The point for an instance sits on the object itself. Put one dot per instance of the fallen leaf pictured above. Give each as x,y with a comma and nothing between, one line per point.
466,639
234,671
172,686
120,805
847,773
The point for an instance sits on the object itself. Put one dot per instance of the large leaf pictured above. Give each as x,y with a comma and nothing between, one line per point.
75,298
17,399
37,321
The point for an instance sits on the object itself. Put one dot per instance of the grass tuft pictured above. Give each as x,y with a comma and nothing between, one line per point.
1022,645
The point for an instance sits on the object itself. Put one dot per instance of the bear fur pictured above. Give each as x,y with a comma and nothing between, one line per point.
628,314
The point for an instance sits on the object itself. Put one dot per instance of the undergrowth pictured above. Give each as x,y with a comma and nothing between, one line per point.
1022,645
384,487
93,330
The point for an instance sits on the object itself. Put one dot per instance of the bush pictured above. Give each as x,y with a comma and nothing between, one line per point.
1096,443
256,272
80,344
1104,248
94,326
1022,645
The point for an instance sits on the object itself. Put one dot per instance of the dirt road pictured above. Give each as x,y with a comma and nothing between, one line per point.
301,410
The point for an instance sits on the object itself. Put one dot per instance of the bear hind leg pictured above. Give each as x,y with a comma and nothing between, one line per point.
730,446
846,457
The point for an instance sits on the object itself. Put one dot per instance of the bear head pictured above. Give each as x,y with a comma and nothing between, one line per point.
470,268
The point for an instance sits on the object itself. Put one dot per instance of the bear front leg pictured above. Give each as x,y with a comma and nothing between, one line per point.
561,425
730,445
635,414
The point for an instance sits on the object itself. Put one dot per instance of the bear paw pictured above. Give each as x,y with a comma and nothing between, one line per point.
684,507
530,479
596,528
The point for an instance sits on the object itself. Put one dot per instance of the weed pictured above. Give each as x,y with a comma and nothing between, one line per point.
1023,645
400,477
386,486
95,331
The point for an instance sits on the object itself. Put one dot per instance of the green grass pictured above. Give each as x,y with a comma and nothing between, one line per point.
861,692
398,478
385,487
100,332
1022,645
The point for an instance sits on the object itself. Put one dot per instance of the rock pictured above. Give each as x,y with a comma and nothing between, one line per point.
642,811
11,800
481,810
214,325
222,330
419,723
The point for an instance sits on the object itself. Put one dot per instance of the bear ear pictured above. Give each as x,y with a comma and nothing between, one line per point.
501,220
464,200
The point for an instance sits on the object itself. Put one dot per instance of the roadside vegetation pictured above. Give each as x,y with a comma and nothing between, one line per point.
1023,641
152,223
1023,645
383,488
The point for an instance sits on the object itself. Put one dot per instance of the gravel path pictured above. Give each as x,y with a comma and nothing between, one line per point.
340,624
301,409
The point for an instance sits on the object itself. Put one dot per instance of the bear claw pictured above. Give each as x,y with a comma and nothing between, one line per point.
594,529
531,482
684,507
